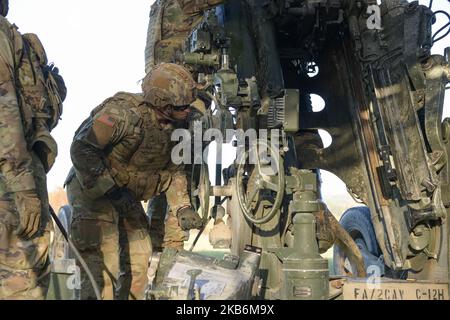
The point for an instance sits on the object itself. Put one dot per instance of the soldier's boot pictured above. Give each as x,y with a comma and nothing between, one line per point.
174,236
157,210
97,241
135,253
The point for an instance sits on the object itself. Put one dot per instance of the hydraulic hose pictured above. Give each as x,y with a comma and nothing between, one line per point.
199,234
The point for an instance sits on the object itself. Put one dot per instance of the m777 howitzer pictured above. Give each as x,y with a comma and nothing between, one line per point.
384,95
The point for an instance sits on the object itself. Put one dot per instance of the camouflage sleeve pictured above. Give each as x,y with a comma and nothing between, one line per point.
177,192
153,35
105,128
197,6
15,160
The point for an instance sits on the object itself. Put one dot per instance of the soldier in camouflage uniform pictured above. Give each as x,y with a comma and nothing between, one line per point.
171,22
31,96
121,156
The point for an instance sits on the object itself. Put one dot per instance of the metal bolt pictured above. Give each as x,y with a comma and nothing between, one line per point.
418,233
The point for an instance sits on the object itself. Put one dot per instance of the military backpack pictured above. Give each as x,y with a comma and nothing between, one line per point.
41,92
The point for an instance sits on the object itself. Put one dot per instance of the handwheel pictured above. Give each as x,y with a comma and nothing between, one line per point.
263,181
202,191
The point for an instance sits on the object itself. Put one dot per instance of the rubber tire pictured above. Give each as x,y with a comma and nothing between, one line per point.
358,223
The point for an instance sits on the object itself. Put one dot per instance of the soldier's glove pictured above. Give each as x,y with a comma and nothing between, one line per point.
29,208
189,219
124,202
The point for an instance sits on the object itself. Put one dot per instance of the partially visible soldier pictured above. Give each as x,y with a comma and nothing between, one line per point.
31,95
121,155
171,22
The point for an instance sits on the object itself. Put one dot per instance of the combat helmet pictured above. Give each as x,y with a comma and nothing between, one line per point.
4,7
170,85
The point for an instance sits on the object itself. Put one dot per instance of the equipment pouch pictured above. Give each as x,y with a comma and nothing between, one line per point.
86,233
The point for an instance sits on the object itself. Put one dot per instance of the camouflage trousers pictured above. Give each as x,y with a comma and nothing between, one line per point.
24,264
164,229
116,249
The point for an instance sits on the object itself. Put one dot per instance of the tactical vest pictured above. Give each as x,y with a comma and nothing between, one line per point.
137,160
39,101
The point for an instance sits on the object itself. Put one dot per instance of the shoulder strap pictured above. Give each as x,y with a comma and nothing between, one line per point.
35,43
27,55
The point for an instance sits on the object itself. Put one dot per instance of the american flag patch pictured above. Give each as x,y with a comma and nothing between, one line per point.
106,120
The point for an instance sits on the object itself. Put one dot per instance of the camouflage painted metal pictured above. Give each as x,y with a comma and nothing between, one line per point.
305,272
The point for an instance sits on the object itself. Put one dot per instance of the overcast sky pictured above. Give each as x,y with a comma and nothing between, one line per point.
99,47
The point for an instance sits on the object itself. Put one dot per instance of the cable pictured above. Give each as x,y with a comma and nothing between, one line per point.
77,254
199,234
223,200
441,29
